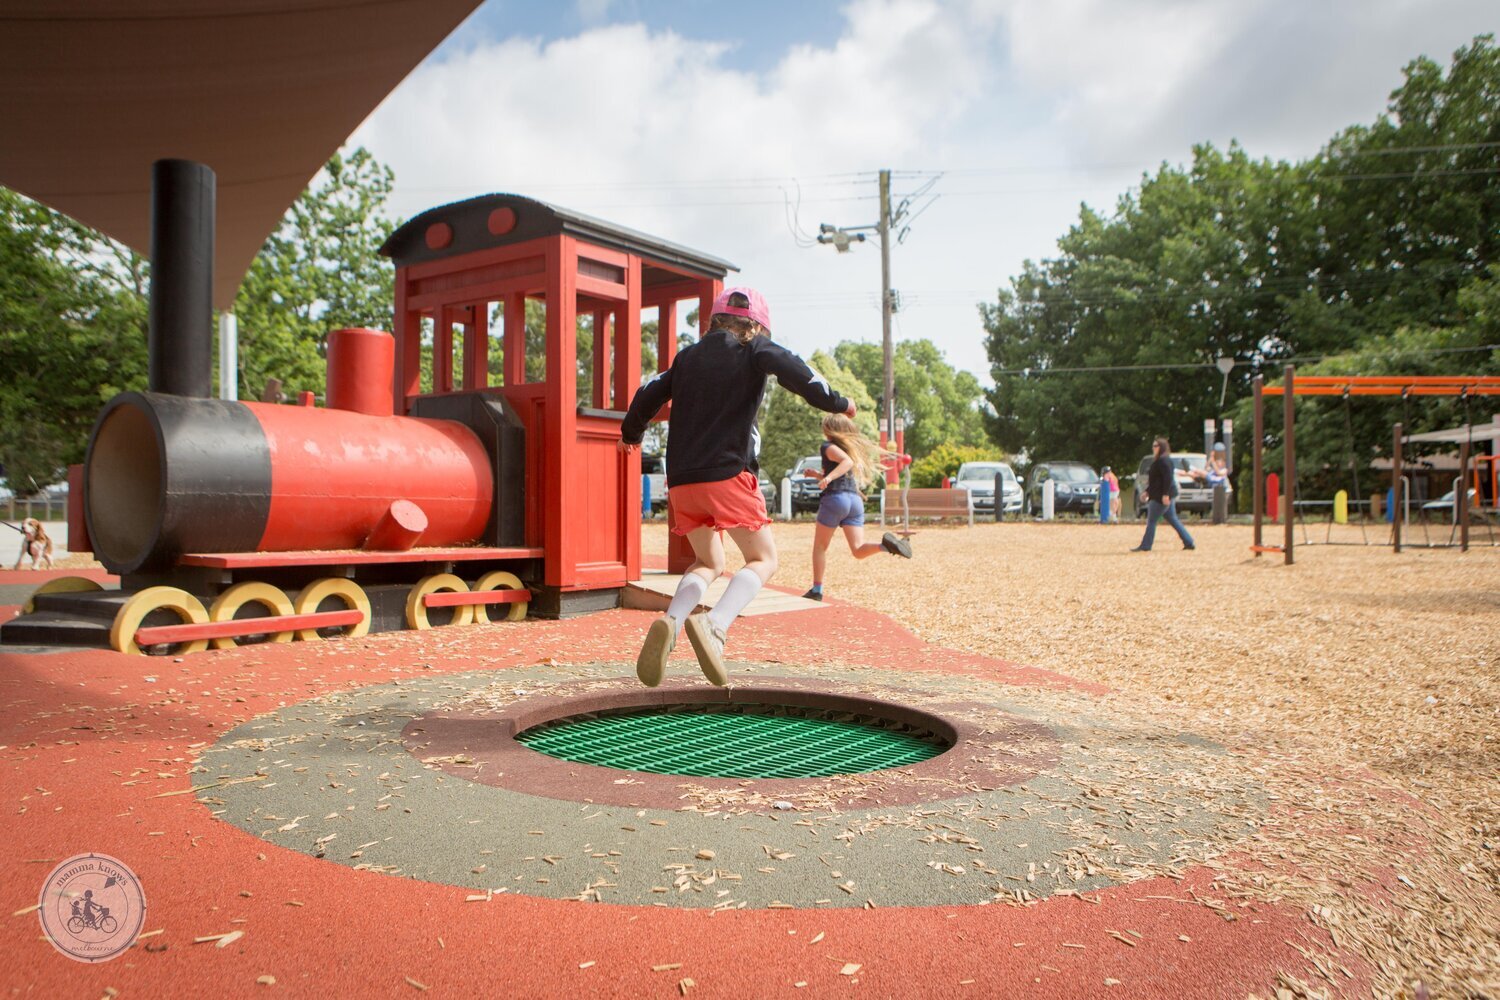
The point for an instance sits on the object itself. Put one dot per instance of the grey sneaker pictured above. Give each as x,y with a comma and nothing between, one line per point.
708,642
895,546
661,639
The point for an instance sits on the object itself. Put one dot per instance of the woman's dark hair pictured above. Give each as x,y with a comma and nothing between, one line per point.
1166,449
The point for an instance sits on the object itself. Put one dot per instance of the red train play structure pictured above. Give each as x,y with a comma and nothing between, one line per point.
390,507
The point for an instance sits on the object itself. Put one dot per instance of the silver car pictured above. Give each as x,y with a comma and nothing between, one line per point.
979,479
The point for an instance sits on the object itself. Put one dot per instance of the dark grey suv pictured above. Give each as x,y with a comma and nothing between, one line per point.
1076,488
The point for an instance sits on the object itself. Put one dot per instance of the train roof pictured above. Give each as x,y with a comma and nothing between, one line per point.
472,226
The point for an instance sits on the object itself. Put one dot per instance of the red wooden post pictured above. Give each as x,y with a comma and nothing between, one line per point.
1289,458
408,347
442,350
477,347
603,327
562,499
666,334
514,318
627,378
1273,497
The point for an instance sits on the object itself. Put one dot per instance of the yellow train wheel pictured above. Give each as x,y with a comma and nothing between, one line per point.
229,603
500,580
416,608
131,616
61,585
348,591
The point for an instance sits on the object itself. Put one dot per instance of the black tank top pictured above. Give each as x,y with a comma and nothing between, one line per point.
844,483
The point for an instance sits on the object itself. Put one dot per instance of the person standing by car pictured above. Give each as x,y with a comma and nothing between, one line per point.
1108,476
1161,491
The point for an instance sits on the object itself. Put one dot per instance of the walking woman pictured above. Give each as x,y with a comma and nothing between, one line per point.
1161,494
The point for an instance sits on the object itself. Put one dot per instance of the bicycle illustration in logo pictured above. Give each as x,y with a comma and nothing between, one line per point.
89,915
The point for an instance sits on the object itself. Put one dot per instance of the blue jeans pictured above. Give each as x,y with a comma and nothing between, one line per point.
1155,512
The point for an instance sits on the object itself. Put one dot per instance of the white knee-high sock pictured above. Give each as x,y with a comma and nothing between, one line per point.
743,587
689,595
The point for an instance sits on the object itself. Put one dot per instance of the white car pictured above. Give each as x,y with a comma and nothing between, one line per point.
979,479
654,468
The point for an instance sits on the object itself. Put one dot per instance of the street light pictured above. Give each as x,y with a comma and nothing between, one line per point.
1226,365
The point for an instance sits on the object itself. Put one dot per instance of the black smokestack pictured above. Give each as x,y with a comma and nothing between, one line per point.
180,345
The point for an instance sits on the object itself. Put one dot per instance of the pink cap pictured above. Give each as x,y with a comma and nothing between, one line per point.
757,310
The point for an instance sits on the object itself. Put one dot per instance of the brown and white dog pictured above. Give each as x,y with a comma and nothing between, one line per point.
36,545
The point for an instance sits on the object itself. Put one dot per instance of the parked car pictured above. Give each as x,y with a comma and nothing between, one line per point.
1193,492
1075,489
654,468
768,490
979,479
804,477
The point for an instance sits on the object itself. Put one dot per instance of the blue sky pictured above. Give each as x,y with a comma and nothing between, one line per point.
738,128
761,30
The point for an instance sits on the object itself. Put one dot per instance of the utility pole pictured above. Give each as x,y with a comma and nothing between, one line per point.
888,417
842,237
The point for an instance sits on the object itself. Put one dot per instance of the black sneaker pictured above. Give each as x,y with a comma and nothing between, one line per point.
813,595
896,546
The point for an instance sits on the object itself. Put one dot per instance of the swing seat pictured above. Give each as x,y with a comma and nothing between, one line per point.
1266,548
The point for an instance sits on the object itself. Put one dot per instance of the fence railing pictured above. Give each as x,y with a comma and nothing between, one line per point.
41,508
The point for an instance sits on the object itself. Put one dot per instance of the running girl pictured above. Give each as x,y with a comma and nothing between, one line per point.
715,387
850,462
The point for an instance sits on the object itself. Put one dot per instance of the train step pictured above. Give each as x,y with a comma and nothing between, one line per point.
46,628
98,605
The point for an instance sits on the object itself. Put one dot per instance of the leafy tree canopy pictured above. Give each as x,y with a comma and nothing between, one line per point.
791,430
940,403
1383,239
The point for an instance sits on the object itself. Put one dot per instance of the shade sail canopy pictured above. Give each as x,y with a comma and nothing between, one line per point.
263,91
1457,435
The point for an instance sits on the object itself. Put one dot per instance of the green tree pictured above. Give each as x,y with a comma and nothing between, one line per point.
938,402
1253,260
72,334
791,430
944,460
318,272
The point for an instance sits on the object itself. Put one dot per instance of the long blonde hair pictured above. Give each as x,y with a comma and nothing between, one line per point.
867,456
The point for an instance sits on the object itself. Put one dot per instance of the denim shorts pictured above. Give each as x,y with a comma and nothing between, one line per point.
841,509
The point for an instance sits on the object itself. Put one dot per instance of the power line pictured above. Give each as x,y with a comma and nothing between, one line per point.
1195,365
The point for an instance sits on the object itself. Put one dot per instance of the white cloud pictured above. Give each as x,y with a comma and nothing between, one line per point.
1063,101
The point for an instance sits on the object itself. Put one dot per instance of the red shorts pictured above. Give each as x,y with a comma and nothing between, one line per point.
726,503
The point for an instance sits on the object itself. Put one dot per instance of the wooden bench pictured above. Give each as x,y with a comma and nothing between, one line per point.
927,503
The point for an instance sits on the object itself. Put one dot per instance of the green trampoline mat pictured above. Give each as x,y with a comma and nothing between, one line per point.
692,740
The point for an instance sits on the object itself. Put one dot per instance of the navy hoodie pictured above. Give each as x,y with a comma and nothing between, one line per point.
715,387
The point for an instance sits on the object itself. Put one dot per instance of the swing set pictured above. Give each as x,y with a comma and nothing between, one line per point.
1463,387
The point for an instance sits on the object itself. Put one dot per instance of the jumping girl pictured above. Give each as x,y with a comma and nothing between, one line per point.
850,462
715,387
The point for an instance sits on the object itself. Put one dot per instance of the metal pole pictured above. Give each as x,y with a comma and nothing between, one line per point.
1396,507
1289,477
1461,497
229,355
888,418
1258,483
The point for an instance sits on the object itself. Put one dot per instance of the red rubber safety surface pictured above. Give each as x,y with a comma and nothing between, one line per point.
92,755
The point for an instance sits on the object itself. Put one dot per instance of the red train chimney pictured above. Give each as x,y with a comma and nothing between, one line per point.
361,371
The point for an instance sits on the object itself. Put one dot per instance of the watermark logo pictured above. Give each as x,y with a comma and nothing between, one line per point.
92,907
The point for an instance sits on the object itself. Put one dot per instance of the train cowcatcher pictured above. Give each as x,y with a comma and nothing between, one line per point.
389,507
